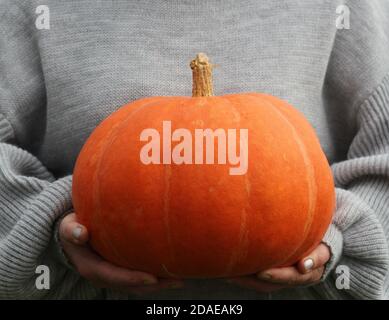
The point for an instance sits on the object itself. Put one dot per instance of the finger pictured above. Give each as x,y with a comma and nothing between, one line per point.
290,276
317,259
107,275
102,273
72,231
253,283
163,284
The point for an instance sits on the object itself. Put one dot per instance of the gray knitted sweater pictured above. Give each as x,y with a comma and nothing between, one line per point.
57,85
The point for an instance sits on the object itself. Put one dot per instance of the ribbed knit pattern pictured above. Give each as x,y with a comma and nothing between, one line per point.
56,86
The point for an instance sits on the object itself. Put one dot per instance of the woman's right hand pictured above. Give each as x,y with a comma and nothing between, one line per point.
101,273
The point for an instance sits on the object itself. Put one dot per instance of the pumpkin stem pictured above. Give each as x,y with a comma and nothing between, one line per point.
202,76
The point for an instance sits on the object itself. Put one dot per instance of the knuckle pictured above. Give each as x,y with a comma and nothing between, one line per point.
67,231
135,281
319,271
316,275
65,222
323,254
111,279
86,273
320,257
293,280
62,228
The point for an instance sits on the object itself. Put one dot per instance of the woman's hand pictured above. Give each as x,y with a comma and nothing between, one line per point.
307,271
101,273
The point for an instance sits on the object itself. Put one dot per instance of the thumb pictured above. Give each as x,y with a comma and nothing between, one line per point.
316,259
72,231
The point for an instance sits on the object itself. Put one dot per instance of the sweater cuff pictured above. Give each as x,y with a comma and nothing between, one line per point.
357,238
55,246
334,240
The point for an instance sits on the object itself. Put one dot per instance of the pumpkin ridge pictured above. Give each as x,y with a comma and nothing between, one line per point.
310,175
166,210
241,250
96,177
304,155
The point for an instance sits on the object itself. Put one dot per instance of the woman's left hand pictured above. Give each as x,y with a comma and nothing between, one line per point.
307,271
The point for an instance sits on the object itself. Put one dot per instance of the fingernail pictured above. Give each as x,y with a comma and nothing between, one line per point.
77,232
264,275
148,282
308,264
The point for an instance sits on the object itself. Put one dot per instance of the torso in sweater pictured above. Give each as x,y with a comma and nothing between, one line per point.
100,55
97,57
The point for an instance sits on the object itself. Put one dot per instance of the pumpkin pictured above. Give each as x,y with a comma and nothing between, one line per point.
197,219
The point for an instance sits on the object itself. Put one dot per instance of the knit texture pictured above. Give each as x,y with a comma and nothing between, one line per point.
57,85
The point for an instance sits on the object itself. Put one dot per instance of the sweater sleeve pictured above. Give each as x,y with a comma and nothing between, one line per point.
30,202
359,235
31,198
356,96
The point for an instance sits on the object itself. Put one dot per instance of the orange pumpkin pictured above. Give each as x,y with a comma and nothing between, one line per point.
199,220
